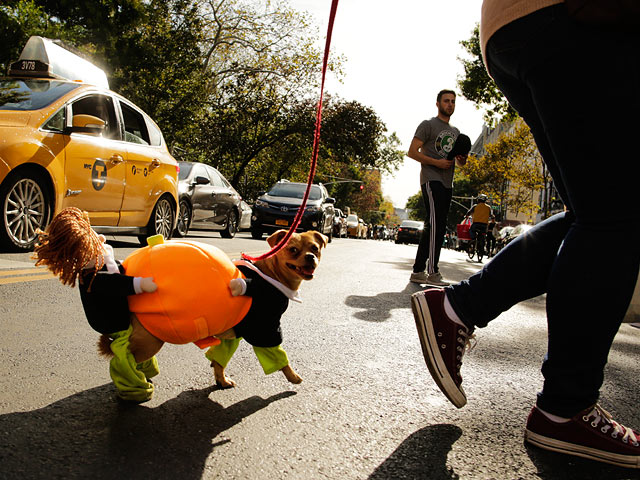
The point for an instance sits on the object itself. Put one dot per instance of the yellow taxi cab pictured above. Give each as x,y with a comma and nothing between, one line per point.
67,140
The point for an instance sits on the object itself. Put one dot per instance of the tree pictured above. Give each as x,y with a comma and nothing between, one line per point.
232,83
511,171
476,84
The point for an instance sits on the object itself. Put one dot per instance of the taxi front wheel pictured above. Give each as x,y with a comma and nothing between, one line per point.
25,209
161,221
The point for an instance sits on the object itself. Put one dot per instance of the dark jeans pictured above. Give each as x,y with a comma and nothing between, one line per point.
437,200
577,89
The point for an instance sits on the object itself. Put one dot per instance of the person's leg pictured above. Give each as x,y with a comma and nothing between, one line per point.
440,207
422,254
608,68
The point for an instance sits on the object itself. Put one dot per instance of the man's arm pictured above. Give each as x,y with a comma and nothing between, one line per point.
416,154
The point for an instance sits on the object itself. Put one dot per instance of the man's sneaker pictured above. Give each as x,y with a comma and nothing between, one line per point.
419,277
590,434
436,279
443,342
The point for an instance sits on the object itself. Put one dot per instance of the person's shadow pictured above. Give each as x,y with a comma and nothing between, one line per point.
91,435
378,308
423,455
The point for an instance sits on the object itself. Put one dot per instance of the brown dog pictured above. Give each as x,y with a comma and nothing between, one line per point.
296,262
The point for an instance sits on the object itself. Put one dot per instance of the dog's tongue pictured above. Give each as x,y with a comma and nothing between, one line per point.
307,271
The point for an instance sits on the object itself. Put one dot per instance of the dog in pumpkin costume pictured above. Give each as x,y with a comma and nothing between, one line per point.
176,314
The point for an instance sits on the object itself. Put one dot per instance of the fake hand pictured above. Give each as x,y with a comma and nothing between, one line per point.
148,285
236,285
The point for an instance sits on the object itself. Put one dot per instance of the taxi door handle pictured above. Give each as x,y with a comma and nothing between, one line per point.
155,163
116,159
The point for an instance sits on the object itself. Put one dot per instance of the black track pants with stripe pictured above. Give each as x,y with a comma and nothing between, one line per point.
437,200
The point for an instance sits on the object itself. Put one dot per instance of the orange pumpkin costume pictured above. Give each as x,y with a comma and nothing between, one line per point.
193,301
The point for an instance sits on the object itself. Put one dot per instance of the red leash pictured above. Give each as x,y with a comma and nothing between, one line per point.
316,147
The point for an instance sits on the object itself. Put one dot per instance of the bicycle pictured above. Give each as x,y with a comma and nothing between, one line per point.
476,247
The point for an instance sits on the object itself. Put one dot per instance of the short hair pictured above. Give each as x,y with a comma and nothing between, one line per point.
443,92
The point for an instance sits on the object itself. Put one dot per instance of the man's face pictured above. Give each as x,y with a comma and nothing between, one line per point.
447,104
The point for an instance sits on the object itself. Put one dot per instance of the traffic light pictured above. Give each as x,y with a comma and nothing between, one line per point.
361,187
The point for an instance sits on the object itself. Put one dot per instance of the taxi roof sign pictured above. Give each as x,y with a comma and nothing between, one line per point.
41,57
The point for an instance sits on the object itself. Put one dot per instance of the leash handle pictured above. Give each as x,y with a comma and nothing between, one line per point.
316,147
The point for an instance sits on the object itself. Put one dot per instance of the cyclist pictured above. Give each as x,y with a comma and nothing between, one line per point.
479,214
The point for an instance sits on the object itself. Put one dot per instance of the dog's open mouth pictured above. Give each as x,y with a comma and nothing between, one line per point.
305,272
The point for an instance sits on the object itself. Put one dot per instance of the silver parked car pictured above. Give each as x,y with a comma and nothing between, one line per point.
207,201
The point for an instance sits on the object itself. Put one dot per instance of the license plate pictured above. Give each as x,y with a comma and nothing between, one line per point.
282,222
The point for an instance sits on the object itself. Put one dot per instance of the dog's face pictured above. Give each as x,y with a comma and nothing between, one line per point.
298,259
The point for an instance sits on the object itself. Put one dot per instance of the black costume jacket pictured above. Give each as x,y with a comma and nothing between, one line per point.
106,306
261,325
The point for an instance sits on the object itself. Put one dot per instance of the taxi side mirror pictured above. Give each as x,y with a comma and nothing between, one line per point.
83,123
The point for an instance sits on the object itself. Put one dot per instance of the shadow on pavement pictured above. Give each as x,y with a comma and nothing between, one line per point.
93,435
378,308
552,466
423,455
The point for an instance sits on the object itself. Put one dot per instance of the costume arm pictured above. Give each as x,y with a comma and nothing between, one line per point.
112,283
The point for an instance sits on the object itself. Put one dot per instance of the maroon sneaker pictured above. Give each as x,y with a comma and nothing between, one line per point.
443,342
590,434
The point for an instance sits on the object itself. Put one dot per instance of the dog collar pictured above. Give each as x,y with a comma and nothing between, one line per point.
286,291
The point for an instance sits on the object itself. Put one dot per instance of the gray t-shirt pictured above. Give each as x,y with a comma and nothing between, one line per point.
438,138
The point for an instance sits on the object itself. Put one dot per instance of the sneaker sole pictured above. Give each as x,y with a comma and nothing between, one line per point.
554,445
431,353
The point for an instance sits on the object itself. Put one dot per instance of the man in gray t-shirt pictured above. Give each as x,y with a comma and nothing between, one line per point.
431,145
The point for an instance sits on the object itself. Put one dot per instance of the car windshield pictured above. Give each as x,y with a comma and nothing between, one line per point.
352,218
295,190
32,94
185,170
411,224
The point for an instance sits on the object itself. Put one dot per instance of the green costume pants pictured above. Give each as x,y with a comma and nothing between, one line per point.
129,377
272,359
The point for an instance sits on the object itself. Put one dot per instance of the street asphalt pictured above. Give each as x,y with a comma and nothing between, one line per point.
367,408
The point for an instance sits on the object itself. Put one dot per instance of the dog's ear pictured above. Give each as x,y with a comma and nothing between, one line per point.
322,239
275,238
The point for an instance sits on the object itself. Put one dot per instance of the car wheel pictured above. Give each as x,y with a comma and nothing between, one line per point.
25,209
256,233
184,219
161,221
232,225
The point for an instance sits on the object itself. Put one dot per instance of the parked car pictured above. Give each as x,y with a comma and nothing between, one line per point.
245,217
207,201
339,224
354,226
409,231
66,140
278,207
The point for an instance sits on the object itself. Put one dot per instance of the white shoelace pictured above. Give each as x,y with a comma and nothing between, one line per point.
600,414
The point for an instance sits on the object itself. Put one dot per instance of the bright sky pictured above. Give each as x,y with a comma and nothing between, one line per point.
400,54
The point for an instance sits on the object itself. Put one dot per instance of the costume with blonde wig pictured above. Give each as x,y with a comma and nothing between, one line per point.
72,250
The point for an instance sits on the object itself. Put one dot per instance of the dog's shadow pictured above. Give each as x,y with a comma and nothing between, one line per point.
378,308
92,435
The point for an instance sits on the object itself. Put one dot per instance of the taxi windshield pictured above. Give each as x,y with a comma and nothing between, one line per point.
19,94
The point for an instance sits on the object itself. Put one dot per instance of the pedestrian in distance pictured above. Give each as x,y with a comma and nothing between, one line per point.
432,146
555,69
492,235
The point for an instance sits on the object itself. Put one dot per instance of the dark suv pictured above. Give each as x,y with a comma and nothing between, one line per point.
278,207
